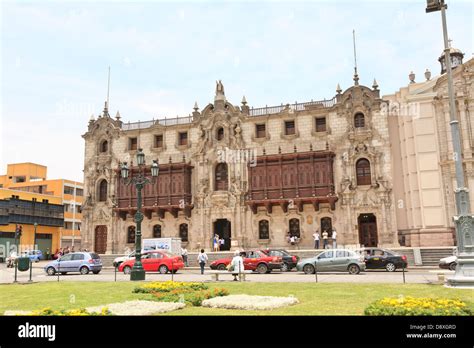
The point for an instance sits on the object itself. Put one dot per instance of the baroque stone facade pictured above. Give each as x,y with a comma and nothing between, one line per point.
289,169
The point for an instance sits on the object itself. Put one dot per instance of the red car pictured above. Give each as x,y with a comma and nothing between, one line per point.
155,261
253,261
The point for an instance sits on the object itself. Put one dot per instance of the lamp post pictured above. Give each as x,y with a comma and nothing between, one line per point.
464,221
140,180
34,238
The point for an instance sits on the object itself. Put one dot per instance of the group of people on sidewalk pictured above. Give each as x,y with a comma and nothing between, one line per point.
325,236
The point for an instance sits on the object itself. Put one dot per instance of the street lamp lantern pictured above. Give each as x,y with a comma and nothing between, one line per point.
124,170
140,157
464,219
155,169
139,180
434,5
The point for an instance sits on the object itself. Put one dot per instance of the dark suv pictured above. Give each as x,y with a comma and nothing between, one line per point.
289,261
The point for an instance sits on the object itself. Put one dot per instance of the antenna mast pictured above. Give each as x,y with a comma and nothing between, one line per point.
108,89
356,76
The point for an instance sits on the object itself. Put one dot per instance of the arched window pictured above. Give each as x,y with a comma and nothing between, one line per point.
326,225
294,228
131,234
157,231
104,146
363,172
263,231
183,232
221,177
103,191
220,133
359,120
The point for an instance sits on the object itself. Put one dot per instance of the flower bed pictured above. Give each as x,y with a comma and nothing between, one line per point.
139,307
190,297
71,312
418,306
247,302
169,286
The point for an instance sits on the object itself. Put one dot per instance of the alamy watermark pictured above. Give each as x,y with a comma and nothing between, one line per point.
238,156
400,109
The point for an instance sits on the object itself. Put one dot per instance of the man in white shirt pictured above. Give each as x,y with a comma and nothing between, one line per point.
334,238
316,239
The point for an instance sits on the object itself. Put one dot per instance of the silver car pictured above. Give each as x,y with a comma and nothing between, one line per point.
333,260
82,262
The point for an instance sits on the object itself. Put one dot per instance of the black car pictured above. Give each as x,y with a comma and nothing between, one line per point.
289,261
376,258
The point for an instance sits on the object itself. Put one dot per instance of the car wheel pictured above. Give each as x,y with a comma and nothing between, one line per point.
390,267
84,270
262,268
285,268
96,272
221,267
51,271
353,269
163,269
308,269
127,270
452,266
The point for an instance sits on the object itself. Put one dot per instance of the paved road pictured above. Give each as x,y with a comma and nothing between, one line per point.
421,276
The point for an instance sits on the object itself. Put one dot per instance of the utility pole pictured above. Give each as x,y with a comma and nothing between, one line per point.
464,220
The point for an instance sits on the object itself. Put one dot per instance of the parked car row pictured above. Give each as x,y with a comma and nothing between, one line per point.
260,261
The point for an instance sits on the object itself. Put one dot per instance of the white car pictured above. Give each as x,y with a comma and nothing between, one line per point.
449,262
120,259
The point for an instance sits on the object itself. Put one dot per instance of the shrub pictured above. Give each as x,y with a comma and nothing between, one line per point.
418,306
169,286
71,312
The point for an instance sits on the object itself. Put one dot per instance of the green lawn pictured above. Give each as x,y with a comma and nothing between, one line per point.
315,299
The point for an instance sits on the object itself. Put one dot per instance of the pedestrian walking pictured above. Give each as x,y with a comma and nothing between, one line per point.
334,238
325,239
202,260
221,243
316,239
216,242
72,249
184,254
237,265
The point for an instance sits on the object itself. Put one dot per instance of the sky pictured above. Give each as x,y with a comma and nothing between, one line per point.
164,56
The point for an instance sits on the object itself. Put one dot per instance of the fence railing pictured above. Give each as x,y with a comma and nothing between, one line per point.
162,122
267,110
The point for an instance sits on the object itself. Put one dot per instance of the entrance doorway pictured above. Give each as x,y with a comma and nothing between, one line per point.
223,229
368,230
100,245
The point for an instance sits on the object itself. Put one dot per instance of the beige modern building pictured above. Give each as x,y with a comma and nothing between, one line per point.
422,150
258,175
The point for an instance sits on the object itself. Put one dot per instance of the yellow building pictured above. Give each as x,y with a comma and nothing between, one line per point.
31,177
27,209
